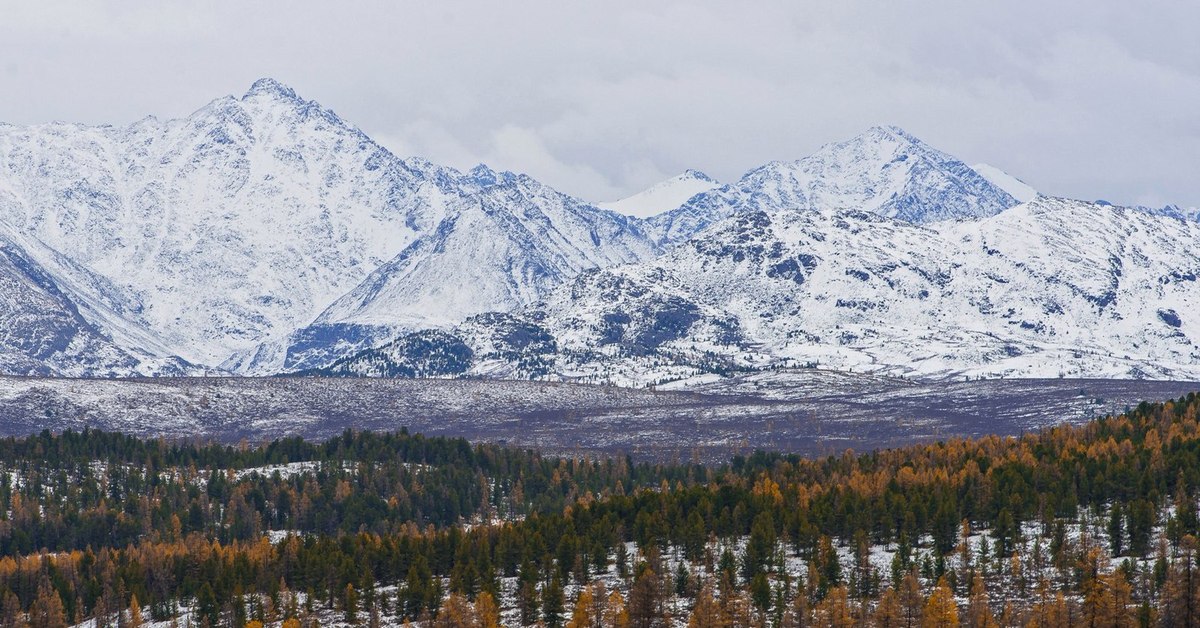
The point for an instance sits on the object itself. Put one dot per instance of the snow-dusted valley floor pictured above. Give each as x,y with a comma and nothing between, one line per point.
804,411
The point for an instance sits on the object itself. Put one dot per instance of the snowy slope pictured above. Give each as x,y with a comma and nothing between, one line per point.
510,245
45,330
663,196
1174,211
885,170
1050,288
1015,187
505,248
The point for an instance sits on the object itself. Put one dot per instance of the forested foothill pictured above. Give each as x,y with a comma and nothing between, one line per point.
1085,525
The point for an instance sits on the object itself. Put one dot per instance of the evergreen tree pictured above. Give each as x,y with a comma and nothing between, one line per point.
1116,530
552,604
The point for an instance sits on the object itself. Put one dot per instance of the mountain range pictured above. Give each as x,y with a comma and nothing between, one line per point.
263,234
1051,288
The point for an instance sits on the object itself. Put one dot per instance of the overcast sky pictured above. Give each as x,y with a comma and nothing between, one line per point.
1092,99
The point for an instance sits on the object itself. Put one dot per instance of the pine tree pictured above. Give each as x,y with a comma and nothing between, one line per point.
759,548
552,603
418,593
682,580
760,593
350,604
1116,530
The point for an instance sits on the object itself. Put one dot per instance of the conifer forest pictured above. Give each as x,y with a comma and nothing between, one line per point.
1088,525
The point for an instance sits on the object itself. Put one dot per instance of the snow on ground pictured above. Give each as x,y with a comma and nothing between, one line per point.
803,410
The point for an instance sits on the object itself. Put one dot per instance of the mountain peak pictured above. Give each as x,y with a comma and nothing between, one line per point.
888,129
664,195
270,87
885,170
486,176
696,175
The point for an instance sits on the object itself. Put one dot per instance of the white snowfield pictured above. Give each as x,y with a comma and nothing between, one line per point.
264,234
663,196
1015,187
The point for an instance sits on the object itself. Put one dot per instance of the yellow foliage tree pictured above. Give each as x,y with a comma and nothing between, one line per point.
487,611
135,614
979,613
581,617
706,613
834,611
615,614
941,611
887,612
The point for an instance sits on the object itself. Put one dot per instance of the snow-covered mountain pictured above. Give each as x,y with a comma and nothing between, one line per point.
663,196
243,220
1049,288
233,229
885,170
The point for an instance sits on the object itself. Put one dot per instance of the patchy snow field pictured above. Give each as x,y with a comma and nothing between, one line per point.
806,411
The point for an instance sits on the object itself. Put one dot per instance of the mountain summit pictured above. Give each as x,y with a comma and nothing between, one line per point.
884,170
271,87
663,196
